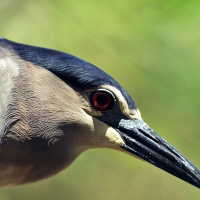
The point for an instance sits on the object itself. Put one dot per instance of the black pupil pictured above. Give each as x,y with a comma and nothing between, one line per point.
102,99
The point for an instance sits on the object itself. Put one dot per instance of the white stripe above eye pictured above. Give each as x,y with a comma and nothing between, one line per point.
8,71
132,114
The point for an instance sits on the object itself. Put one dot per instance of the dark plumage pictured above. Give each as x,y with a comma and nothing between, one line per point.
68,67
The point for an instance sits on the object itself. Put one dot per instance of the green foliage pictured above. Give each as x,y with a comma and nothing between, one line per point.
151,48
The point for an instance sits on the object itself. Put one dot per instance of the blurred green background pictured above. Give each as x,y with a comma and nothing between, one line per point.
152,48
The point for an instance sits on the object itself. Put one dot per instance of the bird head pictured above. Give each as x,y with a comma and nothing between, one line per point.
76,106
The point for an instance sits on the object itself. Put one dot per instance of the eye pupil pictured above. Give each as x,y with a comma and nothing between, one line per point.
102,100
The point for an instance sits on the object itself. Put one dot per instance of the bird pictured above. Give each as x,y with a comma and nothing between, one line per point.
54,106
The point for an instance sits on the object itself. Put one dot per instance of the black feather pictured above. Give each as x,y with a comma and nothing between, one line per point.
68,67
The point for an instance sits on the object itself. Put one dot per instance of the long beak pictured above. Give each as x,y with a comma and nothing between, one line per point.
145,143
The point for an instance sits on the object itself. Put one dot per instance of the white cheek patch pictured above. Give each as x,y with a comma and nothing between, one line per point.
113,136
8,71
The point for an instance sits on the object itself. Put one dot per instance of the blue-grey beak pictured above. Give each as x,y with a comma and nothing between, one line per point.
145,143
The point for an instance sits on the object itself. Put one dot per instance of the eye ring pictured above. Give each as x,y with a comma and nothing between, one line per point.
102,100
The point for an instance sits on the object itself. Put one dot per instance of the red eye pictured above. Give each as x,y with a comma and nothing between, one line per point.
102,100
